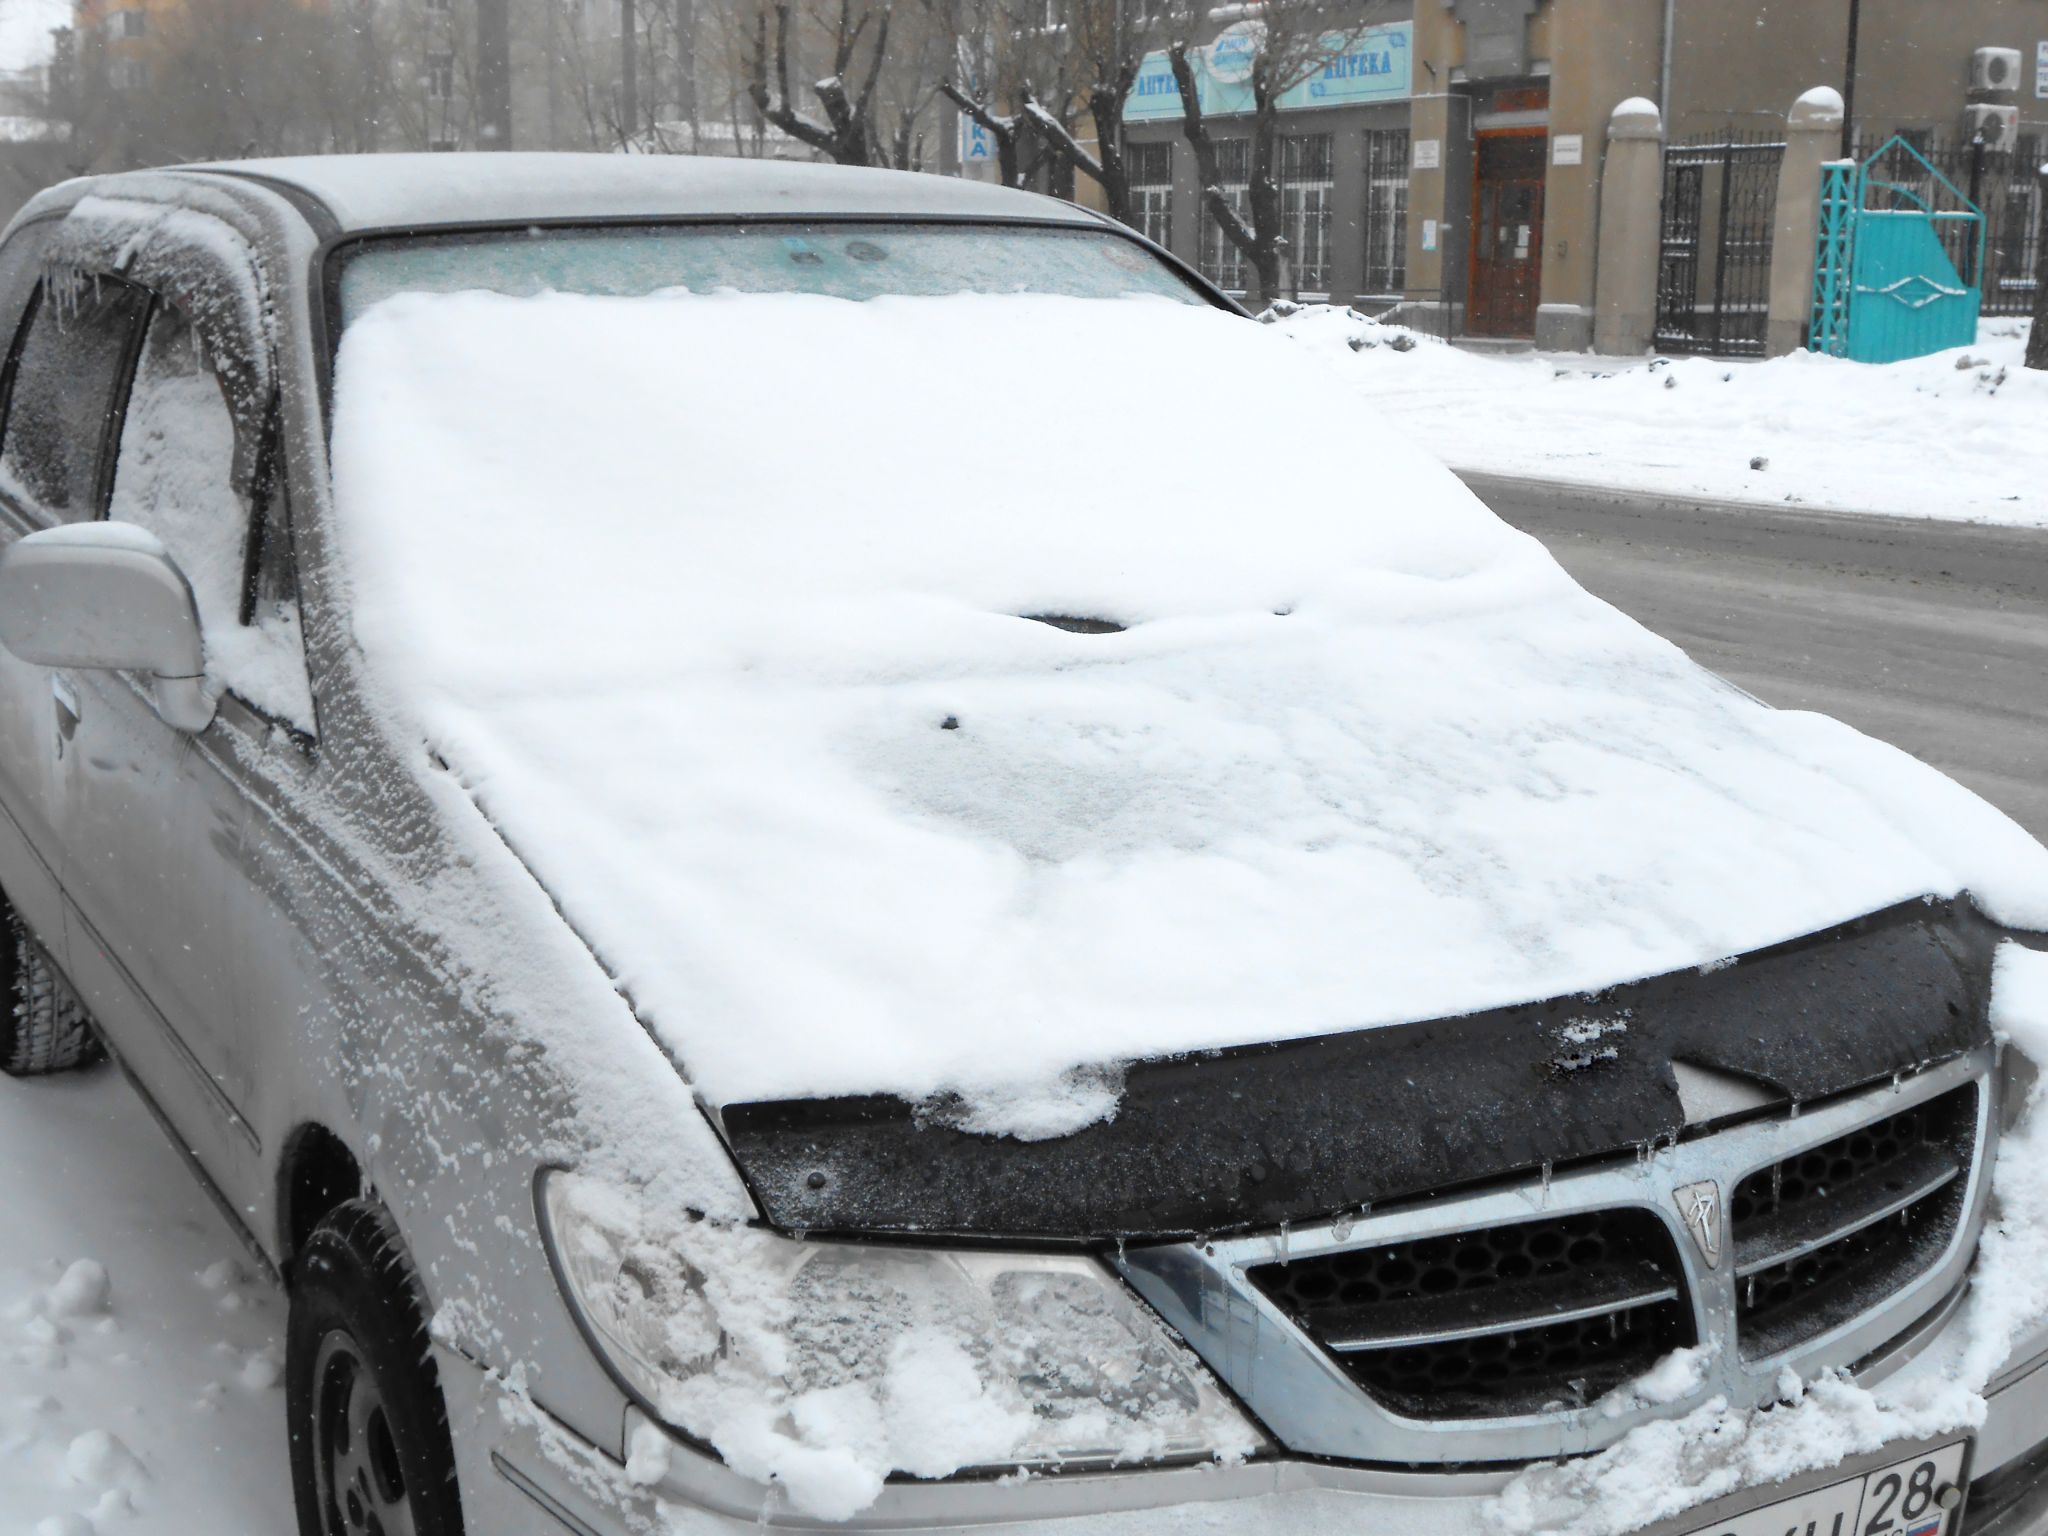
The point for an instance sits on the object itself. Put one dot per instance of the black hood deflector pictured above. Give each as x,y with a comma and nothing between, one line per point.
1305,1129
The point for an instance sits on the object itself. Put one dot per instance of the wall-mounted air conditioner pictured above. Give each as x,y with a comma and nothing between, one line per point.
1995,71
2000,126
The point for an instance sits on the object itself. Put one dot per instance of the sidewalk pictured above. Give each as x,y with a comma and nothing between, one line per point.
1959,435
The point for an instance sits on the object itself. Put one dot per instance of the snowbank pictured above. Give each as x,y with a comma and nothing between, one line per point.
140,1388
1954,435
714,605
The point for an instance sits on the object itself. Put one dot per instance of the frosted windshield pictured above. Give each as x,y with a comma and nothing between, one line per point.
845,261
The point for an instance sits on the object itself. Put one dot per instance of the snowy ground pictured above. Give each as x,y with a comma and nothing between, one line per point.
140,1354
1955,435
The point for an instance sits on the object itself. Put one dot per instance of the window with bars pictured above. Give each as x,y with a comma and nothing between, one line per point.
1306,182
1151,176
440,76
1222,262
1386,210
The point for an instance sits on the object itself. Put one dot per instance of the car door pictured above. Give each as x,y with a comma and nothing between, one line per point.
157,867
67,359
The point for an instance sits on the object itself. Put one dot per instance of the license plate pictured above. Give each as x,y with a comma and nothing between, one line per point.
1904,1499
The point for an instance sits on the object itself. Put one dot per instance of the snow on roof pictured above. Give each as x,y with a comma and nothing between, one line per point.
400,190
719,607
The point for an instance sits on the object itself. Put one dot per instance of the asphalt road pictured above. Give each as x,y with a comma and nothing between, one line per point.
1931,635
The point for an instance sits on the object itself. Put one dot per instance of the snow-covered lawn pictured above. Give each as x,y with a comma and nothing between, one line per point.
1956,435
140,1352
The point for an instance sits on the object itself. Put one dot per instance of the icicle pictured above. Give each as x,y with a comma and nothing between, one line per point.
1340,1229
1544,1201
1777,1185
1119,1250
1284,1258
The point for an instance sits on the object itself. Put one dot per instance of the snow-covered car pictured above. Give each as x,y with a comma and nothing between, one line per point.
813,846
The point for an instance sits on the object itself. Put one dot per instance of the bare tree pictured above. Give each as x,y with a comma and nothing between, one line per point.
848,132
1106,43
1287,43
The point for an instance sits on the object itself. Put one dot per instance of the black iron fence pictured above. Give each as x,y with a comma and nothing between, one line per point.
2004,185
1714,252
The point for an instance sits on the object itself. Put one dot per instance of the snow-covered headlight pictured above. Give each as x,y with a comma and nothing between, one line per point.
926,1361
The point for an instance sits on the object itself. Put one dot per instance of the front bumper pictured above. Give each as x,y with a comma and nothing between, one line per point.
524,1475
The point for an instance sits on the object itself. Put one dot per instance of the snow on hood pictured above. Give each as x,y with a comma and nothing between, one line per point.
716,605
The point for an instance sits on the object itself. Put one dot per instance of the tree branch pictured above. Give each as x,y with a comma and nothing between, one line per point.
1195,128
1002,129
867,91
781,113
1057,134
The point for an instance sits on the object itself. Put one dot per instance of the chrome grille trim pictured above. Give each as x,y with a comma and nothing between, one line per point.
1539,1309
1504,1319
1928,1171
1307,1398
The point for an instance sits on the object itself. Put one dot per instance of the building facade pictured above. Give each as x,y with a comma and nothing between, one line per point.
1465,190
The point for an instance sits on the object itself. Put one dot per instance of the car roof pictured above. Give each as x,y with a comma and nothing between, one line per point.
401,191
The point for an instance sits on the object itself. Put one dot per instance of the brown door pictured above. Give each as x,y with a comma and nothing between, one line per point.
1507,234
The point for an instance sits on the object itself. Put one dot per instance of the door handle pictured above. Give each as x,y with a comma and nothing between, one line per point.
65,700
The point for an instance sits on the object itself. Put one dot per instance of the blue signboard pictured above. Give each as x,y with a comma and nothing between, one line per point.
1368,66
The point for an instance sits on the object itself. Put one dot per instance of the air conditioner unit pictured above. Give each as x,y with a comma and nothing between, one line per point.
1999,126
1995,70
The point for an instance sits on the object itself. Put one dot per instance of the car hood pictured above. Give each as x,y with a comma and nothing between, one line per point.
729,613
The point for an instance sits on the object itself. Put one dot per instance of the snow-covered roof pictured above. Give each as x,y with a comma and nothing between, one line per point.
395,191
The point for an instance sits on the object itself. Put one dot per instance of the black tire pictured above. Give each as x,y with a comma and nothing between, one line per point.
44,1028
369,1432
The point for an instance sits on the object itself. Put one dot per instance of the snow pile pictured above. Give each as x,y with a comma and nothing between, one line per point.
1950,435
718,607
138,1387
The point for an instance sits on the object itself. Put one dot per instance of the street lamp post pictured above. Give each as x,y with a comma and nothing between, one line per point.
1849,82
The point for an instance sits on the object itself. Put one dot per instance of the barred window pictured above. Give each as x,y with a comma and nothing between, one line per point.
1386,210
1151,175
1306,182
1222,262
440,76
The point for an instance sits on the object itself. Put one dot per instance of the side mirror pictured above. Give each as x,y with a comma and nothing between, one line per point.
106,597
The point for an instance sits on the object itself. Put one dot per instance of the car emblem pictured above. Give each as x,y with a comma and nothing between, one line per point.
1700,1205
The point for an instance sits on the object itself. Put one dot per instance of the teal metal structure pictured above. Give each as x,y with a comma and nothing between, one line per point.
1885,283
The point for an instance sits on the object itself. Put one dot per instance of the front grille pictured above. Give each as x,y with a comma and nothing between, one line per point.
1495,1321
1833,1231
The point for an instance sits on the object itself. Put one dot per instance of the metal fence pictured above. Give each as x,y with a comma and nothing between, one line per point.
1714,253
2005,187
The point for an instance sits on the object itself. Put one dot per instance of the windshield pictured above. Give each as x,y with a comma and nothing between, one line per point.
846,261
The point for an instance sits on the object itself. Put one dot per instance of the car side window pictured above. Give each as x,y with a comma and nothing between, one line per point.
174,476
63,394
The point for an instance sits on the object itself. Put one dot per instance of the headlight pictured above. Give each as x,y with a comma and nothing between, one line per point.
906,1359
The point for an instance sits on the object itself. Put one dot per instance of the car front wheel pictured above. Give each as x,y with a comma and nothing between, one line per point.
369,1434
44,1028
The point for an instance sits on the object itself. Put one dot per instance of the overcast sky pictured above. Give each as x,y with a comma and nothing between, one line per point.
25,30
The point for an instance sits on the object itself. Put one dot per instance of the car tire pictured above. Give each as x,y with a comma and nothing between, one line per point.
370,1450
44,1028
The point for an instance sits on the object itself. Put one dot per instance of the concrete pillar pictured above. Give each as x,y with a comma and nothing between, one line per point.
1813,136
1631,197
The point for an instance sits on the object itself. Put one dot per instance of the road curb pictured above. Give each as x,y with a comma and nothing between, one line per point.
1489,484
